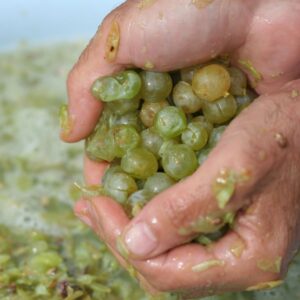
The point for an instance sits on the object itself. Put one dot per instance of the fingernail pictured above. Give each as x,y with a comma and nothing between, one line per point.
140,240
65,121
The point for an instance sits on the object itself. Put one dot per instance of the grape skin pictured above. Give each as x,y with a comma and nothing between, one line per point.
195,136
220,111
155,86
179,161
185,98
139,163
211,82
170,122
158,183
149,111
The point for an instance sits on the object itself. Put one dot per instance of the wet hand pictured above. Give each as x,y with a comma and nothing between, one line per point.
259,149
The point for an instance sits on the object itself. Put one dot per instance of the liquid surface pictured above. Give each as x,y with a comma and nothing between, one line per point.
37,172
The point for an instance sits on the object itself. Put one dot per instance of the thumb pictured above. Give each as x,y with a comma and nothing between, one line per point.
145,34
252,146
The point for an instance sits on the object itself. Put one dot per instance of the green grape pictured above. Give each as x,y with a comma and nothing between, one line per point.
125,137
119,186
170,122
216,136
139,163
158,183
207,125
187,74
110,171
149,111
211,82
151,140
43,262
130,118
245,101
185,98
238,82
220,111
122,86
138,200
179,161
155,86
203,155
195,136
122,107
165,146
99,145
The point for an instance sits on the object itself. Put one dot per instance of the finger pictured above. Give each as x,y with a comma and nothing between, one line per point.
254,145
94,171
92,212
141,28
86,210
245,259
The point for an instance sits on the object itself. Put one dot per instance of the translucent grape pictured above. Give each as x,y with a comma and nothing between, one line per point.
207,125
185,98
165,146
122,86
195,136
179,161
125,137
158,183
138,200
203,155
211,82
245,101
119,186
170,122
238,82
216,136
99,145
122,107
151,140
155,86
139,163
220,111
187,74
149,111
110,171
131,119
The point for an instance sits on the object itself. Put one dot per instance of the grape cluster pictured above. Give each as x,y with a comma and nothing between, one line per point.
158,128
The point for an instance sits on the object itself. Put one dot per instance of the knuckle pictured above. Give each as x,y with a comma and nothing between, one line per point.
180,211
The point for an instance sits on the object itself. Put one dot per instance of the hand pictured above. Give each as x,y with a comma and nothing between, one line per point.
260,146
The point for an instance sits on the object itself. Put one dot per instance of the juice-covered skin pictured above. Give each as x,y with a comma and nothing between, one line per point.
261,145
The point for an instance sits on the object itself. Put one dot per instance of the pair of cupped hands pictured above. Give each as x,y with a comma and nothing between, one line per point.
262,142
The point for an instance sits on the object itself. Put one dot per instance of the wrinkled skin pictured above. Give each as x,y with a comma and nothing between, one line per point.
264,142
